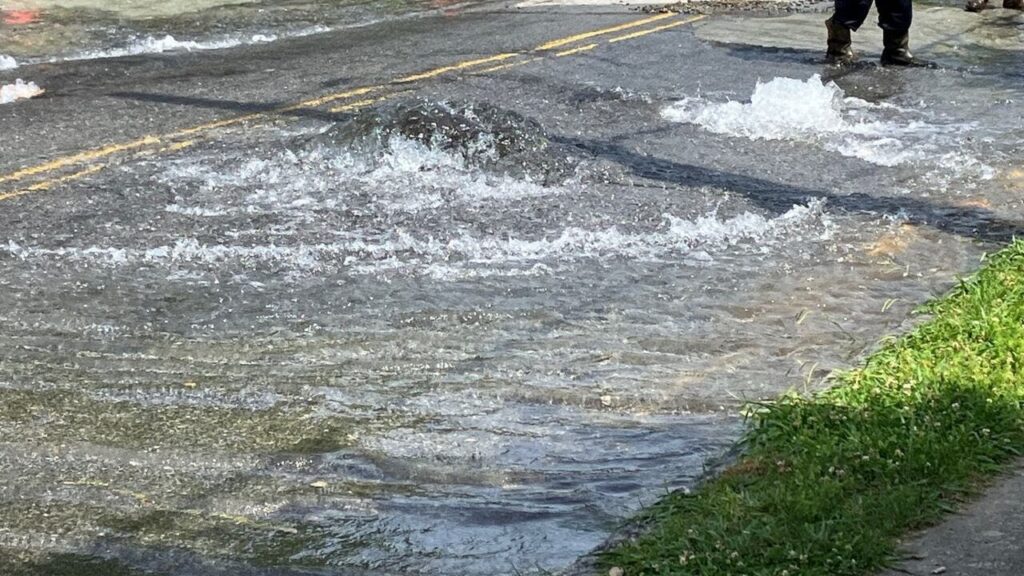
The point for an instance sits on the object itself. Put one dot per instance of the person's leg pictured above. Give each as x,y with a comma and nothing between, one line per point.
895,18
849,15
977,5
840,43
895,15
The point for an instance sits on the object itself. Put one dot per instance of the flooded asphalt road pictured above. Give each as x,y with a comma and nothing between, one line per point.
50,31
468,323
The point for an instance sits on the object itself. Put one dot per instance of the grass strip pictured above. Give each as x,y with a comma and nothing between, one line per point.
828,483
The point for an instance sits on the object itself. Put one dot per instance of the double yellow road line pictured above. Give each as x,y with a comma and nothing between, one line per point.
47,175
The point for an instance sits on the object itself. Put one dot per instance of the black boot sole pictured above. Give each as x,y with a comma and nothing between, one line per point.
915,63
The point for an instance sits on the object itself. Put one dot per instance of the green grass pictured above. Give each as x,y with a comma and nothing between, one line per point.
827,484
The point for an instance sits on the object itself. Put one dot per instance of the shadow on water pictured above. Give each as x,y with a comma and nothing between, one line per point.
775,54
232,105
970,222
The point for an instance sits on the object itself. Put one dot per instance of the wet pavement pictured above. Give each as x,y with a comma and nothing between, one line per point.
41,31
347,338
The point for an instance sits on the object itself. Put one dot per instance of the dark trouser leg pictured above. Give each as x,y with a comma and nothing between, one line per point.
849,15
852,13
895,15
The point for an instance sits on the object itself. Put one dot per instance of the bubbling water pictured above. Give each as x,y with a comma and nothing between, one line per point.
819,112
483,135
167,43
782,109
384,178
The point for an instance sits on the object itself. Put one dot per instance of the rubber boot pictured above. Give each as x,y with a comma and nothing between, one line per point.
977,5
840,44
896,51
1013,4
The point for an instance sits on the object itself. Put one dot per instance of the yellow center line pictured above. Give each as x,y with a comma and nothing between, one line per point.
86,156
570,39
169,148
357,105
213,125
316,102
98,153
576,50
154,142
457,66
507,66
179,146
149,141
46,185
655,29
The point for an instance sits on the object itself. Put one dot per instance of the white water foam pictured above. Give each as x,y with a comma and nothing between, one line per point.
403,250
782,109
814,111
20,90
375,201
409,178
384,195
7,62
250,398
168,43
194,211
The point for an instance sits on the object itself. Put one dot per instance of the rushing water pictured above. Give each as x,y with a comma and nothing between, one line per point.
444,338
34,31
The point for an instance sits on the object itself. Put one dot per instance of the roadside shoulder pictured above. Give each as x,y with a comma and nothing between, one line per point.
986,538
830,483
